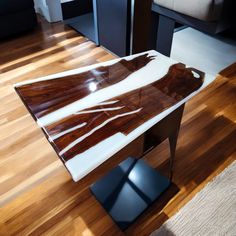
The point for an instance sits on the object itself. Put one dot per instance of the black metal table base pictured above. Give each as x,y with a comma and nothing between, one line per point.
128,190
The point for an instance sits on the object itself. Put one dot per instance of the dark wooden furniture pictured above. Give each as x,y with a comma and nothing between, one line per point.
142,39
16,17
102,101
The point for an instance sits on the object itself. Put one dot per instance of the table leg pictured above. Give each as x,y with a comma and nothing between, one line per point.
173,137
168,128
131,187
128,190
172,142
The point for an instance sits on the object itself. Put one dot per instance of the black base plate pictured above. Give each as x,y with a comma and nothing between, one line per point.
127,190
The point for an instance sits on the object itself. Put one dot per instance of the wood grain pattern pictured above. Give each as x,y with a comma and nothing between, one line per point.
37,195
78,132
46,96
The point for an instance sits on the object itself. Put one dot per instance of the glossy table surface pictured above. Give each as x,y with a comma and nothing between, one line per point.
89,114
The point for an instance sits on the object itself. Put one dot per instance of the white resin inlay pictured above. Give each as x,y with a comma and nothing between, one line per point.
107,103
81,165
99,110
80,139
56,136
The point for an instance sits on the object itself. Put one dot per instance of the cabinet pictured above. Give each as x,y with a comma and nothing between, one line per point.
114,25
82,16
121,26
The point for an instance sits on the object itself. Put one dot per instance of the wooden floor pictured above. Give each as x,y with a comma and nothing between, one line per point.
37,195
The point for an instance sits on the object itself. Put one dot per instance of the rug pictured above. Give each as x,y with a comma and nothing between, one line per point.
211,212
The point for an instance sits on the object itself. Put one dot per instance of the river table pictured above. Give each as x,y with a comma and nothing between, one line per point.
91,113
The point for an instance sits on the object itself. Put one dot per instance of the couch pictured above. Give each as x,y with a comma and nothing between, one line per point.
210,16
16,16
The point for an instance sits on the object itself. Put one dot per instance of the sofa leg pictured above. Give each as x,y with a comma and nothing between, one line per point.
165,33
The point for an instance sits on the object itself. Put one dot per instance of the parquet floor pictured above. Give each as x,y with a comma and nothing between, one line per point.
37,195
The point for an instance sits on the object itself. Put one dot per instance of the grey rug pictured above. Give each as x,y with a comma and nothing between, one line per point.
211,212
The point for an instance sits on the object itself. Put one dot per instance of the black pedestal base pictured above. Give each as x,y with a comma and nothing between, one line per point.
127,190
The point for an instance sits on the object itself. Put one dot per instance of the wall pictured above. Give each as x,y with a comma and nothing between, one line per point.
50,9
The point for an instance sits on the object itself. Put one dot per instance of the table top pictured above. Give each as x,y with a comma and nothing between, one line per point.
89,114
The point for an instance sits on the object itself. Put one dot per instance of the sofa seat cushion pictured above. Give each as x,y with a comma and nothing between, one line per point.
13,6
206,10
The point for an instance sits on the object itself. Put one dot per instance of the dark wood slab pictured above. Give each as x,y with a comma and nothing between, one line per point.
77,132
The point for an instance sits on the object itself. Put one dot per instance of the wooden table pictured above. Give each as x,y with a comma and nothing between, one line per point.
91,113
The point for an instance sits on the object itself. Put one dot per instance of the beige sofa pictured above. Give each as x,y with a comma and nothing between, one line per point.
206,10
211,16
